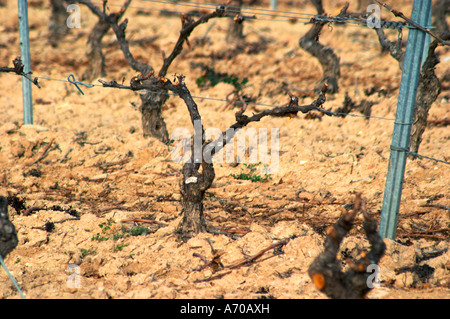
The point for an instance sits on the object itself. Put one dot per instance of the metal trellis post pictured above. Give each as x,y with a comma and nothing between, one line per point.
25,55
274,4
421,14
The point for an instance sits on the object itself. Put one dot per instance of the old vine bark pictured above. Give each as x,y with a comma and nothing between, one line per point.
153,125
57,25
94,52
428,91
329,61
326,270
235,26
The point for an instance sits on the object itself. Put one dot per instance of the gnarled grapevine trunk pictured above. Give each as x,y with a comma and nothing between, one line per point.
94,51
198,172
328,59
441,9
326,270
429,85
427,93
193,188
235,27
153,124
8,233
57,25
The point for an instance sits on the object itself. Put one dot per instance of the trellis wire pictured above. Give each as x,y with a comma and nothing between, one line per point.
267,12
230,11
233,9
71,79
68,80
272,12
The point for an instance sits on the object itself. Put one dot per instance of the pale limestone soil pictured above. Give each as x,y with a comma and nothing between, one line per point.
321,163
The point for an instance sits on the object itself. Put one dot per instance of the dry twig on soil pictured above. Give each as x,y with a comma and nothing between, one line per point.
251,259
50,147
141,220
216,265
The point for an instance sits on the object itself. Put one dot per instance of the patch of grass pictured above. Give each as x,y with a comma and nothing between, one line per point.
99,237
135,231
118,235
211,78
234,81
104,227
249,174
138,231
86,252
119,247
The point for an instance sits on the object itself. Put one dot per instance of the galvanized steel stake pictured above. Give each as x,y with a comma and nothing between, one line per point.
25,55
421,14
274,4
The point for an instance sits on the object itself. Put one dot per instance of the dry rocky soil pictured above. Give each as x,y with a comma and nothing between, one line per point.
71,206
